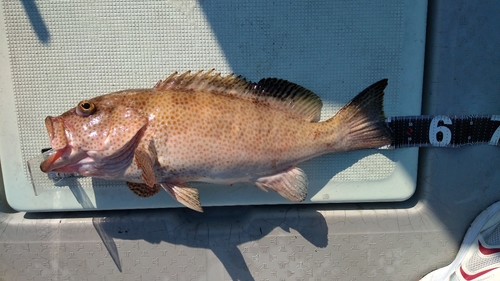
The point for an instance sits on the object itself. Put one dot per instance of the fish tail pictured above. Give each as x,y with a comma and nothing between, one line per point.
362,120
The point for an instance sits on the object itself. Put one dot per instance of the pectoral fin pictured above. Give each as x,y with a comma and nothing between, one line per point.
184,194
145,162
291,184
142,190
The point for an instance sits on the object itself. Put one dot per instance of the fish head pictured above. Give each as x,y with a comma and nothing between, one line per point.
96,138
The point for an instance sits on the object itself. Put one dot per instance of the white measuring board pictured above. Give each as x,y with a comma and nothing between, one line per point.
53,54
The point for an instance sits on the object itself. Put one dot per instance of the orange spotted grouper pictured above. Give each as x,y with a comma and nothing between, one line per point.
209,128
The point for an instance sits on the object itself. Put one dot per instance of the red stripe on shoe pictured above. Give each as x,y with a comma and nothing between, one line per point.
487,251
474,276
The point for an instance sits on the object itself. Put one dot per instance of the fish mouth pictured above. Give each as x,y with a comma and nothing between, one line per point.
48,164
65,160
63,157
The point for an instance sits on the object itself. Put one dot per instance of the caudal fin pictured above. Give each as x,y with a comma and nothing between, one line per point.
362,120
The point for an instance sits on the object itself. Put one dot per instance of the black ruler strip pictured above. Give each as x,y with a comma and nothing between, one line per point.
444,130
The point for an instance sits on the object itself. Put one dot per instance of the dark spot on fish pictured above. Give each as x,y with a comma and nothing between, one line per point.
317,133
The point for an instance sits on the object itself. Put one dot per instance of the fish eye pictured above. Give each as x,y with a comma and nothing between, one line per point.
85,108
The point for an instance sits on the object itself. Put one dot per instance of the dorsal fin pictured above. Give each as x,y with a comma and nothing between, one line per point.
277,92
295,97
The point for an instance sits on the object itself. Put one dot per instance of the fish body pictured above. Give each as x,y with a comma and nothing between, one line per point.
209,128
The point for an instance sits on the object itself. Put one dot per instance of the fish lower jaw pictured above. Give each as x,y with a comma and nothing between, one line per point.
60,160
82,165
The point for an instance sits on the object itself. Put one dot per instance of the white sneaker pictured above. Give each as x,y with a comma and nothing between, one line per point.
479,256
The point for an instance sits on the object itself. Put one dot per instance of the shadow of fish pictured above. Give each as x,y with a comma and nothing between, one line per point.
210,128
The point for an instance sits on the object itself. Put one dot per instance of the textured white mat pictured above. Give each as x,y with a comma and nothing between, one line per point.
54,54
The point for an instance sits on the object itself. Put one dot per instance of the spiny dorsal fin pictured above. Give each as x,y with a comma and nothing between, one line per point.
277,92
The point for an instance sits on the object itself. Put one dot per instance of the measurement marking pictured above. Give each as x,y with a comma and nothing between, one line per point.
410,130
444,131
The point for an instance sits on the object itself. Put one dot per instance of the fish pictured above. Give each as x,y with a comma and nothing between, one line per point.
206,127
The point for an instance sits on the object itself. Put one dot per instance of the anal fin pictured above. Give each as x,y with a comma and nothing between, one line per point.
184,194
143,190
291,184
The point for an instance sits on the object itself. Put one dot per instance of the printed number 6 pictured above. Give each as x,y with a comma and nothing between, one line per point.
435,129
